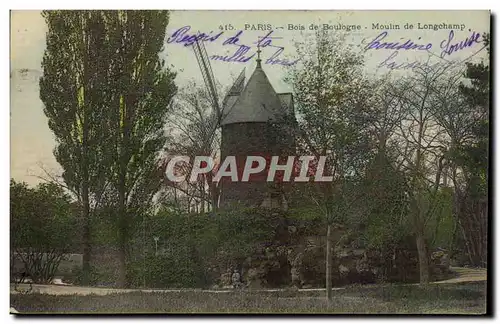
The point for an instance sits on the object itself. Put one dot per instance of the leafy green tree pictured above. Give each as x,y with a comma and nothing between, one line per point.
42,228
331,98
72,91
461,109
471,201
422,95
106,93
140,93
384,217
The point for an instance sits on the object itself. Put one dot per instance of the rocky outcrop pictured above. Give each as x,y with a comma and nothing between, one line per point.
267,269
297,258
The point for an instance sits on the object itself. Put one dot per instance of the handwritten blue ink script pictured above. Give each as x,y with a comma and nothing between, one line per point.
181,36
242,53
377,44
448,46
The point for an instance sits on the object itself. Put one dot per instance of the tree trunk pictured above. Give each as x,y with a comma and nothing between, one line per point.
87,247
423,258
122,233
328,263
202,201
122,267
87,70
122,250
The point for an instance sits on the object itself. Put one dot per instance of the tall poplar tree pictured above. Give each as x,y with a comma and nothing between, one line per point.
71,90
106,93
140,98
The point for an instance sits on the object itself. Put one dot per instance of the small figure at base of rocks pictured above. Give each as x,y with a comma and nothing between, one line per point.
236,280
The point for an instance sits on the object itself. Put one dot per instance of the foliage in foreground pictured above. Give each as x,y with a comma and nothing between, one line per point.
42,229
190,246
437,299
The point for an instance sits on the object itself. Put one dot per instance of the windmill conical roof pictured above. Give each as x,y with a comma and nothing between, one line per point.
258,102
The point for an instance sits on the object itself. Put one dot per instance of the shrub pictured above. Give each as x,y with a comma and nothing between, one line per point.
193,248
42,228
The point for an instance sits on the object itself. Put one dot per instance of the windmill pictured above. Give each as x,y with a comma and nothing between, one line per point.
219,110
208,77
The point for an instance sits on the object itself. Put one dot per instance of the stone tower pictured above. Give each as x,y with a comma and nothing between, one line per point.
253,124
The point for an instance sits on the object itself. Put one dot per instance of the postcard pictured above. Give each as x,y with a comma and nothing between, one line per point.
249,162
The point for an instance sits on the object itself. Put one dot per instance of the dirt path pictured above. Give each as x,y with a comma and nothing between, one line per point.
464,275
467,275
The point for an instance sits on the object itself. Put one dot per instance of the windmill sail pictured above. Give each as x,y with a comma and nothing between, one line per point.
206,71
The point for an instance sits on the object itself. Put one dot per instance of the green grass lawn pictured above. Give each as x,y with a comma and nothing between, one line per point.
465,298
